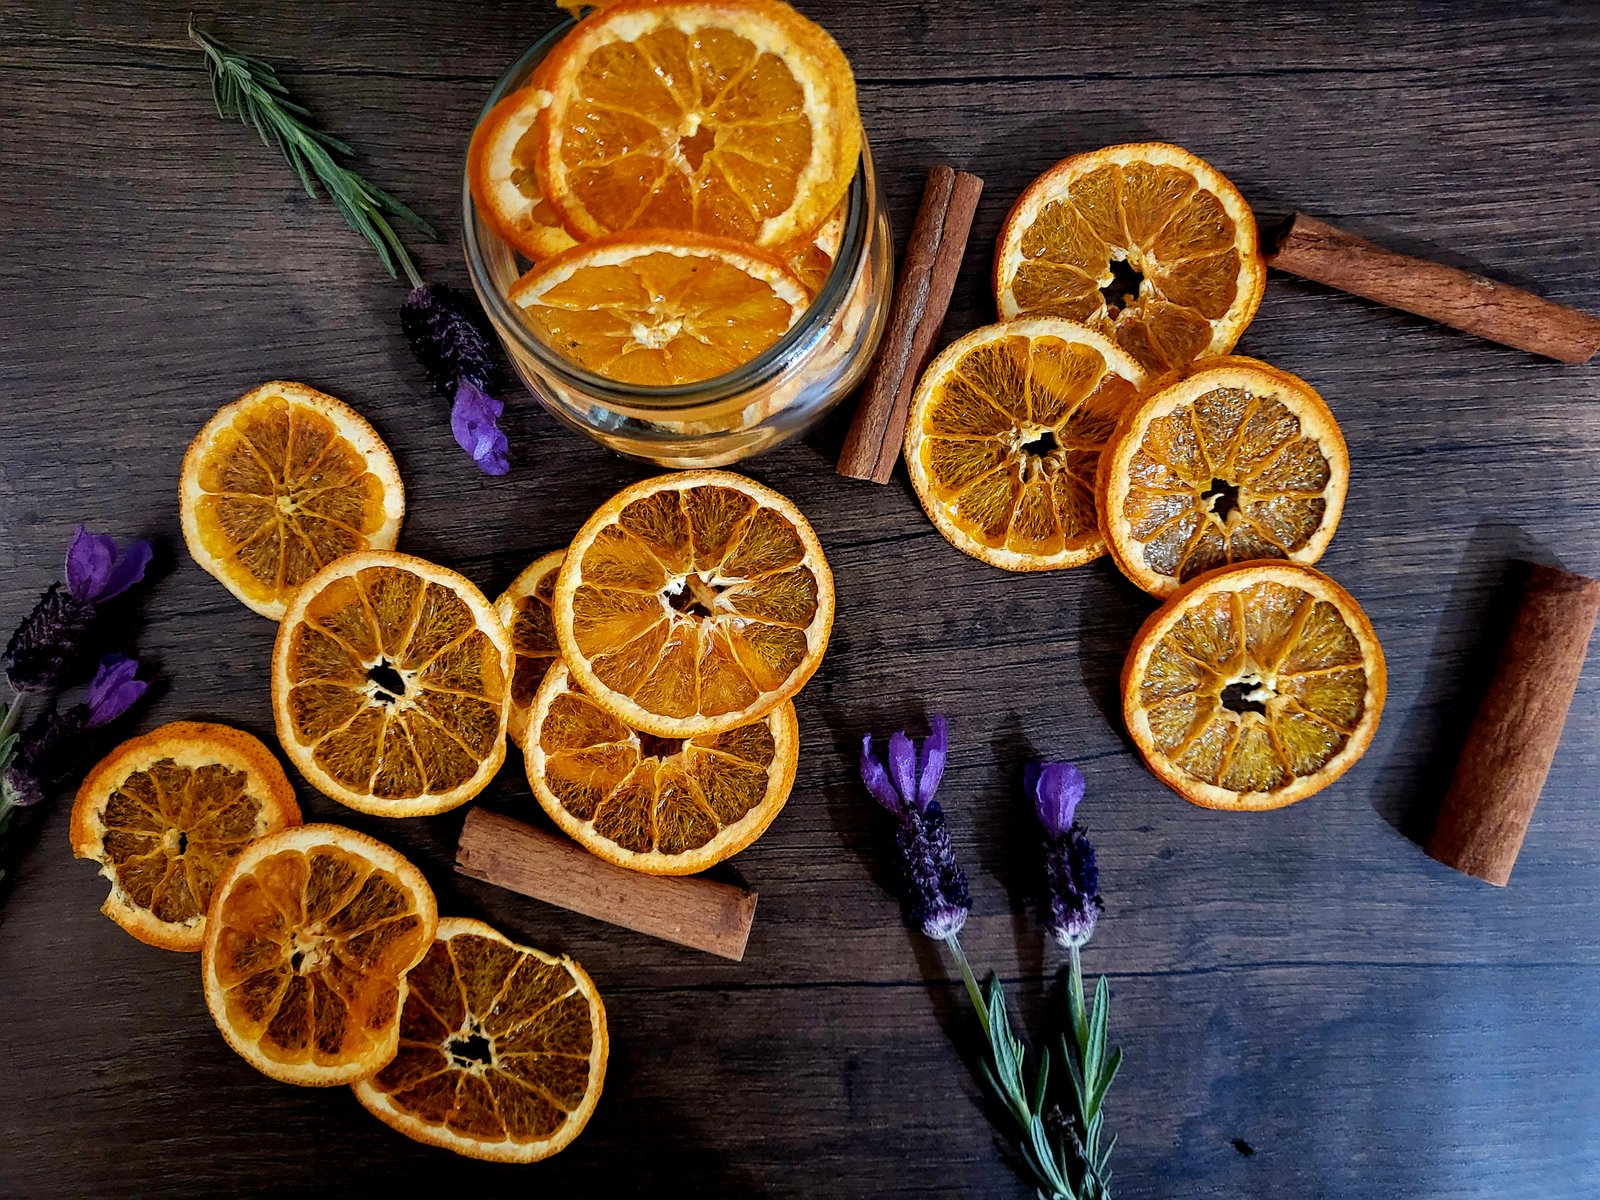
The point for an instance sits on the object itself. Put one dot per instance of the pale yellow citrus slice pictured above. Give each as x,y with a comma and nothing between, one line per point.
1254,686
505,186
666,806
1004,438
1145,242
524,609
307,942
280,483
734,119
660,309
502,1049
693,603
390,683
164,815
1235,461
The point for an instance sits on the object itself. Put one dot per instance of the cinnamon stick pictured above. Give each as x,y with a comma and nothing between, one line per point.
921,297
1512,740
686,909
1495,311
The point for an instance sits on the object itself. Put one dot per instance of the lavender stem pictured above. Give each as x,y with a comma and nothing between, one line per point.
971,981
13,715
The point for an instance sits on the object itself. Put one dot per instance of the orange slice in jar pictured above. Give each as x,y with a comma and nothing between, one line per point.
280,483
665,806
811,261
660,309
1145,242
693,603
730,119
1254,686
165,814
307,942
502,1049
1004,438
524,609
1235,461
505,186
390,683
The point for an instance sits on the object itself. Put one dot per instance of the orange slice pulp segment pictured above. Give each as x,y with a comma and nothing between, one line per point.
280,483
1004,438
505,185
694,602
1145,242
502,1051
735,120
524,609
1233,462
660,309
1254,686
667,806
166,813
307,940
390,684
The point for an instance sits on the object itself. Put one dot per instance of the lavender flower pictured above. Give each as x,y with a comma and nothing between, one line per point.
50,645
934,893
1069,902
448,339
47,747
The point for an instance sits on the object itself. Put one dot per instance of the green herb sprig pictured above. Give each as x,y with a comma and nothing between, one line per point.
247,89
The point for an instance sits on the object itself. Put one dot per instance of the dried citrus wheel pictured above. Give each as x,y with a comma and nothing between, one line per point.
666,806
524,609
164,814
502,1049
504,184
693,603
660,309
308,939
1004,439
732,119
1145,242
1233,462
812,260
280,483
390,681
1254,686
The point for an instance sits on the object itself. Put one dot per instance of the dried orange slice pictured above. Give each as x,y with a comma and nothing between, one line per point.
524,609
731,119
1145,242
280,483
1254,686
308,939
666,806
505,186
811,261
660,309
1004,438
1236,461
693,603
164,814
390,681
502,1049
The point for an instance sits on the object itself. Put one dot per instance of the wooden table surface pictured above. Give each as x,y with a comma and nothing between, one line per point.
1309,1006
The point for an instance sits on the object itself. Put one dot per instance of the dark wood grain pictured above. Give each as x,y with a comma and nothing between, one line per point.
1306,982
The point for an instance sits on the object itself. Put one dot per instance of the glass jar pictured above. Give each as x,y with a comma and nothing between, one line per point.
774,397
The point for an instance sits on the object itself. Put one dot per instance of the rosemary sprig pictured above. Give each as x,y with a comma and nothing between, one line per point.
247,89
1060,1148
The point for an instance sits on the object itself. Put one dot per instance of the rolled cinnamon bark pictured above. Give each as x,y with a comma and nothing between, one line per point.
1498,312
1513,737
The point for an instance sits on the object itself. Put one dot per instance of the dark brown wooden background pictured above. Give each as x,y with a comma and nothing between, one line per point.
1302,984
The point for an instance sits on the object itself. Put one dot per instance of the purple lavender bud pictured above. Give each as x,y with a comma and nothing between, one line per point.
44,751
474,420
96,571
446,332
49,648
1070,902
114,690
1055,789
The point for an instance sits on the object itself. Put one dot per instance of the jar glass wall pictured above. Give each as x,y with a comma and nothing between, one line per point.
774,397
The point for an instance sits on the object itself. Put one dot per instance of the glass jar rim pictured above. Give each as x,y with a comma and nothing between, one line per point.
771,363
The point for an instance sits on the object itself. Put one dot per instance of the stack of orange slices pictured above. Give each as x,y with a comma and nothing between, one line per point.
669,639
676,173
